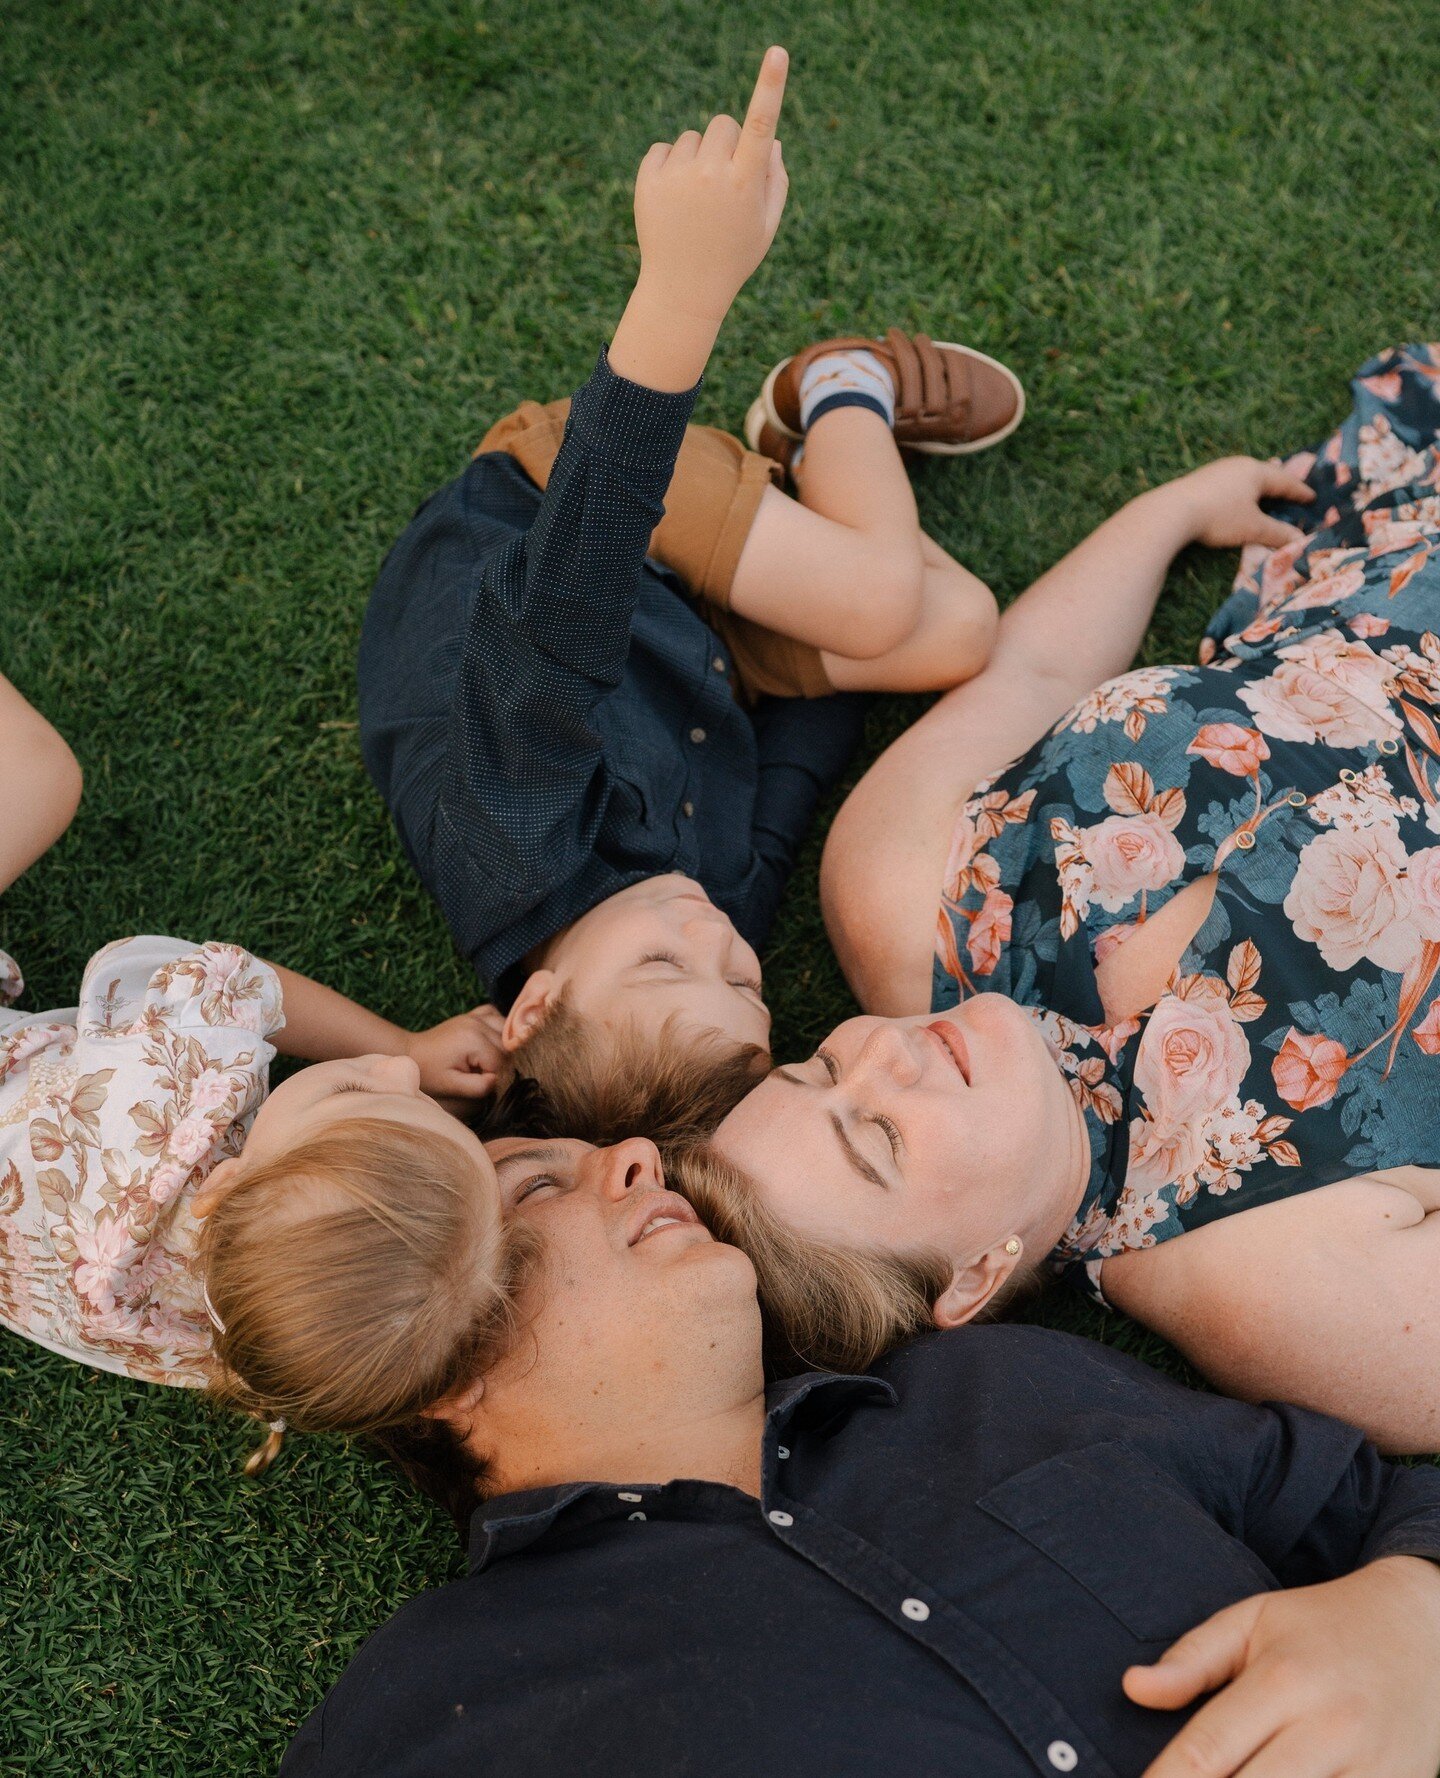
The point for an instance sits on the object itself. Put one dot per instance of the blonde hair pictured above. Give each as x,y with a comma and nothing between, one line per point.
359,1278
574,1077
824,1304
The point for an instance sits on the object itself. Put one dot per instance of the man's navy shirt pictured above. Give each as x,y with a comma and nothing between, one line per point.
547,717
951,1565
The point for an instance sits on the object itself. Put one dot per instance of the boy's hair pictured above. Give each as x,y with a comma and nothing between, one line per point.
824,1304
359,1278
576,1078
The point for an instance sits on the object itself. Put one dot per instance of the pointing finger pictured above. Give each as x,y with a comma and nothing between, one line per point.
752,154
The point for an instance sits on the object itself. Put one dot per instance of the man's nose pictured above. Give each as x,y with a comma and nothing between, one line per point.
889,1050
625,1166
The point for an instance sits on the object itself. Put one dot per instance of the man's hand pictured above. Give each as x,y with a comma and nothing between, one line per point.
462,1060
706,211
1222,502
1312,1683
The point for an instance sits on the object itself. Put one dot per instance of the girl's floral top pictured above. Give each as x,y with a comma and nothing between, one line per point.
1298,1042
110,1116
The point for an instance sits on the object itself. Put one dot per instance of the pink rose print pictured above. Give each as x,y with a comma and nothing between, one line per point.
1350,898
1191,1060
1423,878
106,1252
1162,1153
1326,689
1365,623
1128,854
990,932
1308,1069
1231,748
191,1140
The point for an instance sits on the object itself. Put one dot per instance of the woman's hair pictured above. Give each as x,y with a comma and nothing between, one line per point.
356,1280
824,1304
576,1078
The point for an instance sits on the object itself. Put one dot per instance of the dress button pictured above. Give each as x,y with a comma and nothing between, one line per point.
687,810
1297,799
1244,841
1389,746
697,735
1062,1756
779,1518
915,1609
1347,776
718,663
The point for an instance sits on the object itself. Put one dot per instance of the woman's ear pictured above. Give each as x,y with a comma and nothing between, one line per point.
532,1007
973,1286
220,1179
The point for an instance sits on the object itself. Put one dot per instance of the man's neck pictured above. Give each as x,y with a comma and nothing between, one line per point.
716,1445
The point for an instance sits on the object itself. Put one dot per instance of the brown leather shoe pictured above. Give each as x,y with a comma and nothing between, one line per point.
949,399
763,436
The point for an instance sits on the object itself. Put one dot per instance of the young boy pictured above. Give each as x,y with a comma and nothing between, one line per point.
602,761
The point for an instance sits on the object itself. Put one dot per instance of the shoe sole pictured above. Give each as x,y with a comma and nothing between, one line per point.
763,409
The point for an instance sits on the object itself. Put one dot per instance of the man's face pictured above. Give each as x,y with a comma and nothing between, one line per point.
657,949
632,1301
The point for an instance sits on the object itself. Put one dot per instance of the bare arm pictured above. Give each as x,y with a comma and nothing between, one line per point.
1076,627
39,785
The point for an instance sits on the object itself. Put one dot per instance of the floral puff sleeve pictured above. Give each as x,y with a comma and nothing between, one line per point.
170,1064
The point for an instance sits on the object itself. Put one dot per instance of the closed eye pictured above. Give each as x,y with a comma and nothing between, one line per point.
351,1086
832,1067
534,1184
660,957
752,987
892,1133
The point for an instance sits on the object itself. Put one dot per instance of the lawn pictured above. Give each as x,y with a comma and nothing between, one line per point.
268,271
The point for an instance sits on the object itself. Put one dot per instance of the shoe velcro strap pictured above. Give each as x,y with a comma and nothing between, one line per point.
933,386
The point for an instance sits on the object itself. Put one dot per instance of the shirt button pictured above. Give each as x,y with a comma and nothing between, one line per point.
915,1609
1062,1756
637,1515
779,1518
718,663
687,810
782,1450
697,735
624,1496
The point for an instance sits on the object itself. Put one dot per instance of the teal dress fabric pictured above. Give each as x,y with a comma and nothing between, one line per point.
1298,1042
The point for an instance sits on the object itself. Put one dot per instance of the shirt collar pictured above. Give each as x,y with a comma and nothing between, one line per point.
512,1522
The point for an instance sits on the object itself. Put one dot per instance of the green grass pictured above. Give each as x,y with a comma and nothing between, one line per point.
267,272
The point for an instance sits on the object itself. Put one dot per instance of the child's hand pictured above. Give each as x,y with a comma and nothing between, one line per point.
1223,502
461,1060
706,208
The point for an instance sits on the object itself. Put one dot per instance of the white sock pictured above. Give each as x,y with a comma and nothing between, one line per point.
852,378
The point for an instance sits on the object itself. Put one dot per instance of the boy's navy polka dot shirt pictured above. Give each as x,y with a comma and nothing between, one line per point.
541,709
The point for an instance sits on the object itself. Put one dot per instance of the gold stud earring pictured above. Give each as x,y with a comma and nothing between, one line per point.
1012,1246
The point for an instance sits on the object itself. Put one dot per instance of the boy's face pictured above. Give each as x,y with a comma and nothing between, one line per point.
656,949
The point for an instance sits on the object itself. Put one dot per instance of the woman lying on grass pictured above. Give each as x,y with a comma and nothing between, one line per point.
1186,962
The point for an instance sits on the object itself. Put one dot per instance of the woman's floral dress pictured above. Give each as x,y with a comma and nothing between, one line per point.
1298,1042
110,1116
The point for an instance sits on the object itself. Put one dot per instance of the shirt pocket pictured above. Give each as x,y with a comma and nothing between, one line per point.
1131,1536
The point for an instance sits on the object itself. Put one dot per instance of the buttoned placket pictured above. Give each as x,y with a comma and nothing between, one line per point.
1036,1719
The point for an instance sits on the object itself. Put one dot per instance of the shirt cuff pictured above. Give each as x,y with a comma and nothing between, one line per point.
627,423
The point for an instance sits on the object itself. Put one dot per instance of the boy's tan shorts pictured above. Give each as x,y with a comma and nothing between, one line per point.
709,510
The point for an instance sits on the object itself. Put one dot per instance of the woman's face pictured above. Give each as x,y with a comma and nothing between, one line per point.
954,1133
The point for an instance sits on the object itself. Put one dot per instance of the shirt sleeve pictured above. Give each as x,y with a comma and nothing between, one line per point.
803,746
304,1757
549,633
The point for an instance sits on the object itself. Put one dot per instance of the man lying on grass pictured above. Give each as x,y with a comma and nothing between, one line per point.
1009,1551
598,712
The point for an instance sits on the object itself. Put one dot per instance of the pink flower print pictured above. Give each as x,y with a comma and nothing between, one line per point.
1423,877
1159,1155
1191,1060
1334,576
1231,748
1308,1069
1386,461
210,1090
191,1140
1350,899
990,932
166,1180
1325,689
1384,387
1365,623
1362,801
106,1253
1128,854
1112,938
1279,576
1427,1032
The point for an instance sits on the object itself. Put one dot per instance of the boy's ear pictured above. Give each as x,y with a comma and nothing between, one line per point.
218,1181
974,1285
457,1409
532,1007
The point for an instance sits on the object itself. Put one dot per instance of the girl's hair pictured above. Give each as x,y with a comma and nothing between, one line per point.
359,1278
824,1304
576,1078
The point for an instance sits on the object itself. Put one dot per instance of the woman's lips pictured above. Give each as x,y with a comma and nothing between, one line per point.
954,1045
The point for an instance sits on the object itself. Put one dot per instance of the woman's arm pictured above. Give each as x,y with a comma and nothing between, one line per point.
1076,627
460,1059
40,785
